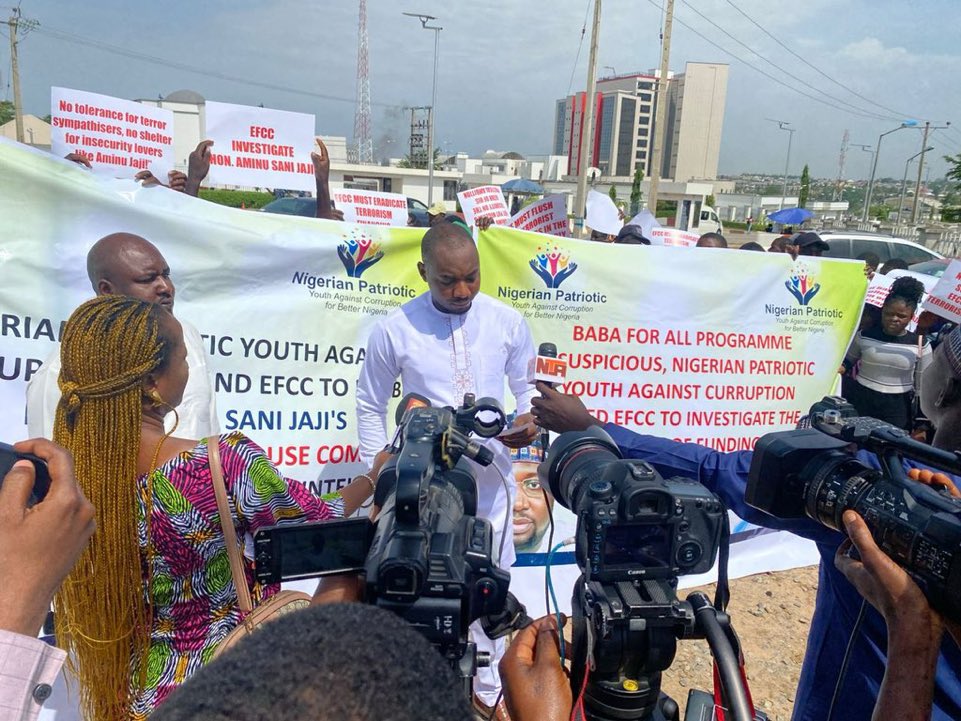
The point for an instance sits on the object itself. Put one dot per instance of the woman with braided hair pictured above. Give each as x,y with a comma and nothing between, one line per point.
889,358
152,595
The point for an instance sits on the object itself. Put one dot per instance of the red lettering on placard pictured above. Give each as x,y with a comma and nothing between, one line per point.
258,131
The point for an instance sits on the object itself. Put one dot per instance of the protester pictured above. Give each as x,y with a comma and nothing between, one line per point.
837,604
127,264
940,393
600,237
38,547
332,663
871,263
631,235
751,245
893,264
890,359
151,598
810,244
750,222
712,240
436,213
321,161
447,342
781,244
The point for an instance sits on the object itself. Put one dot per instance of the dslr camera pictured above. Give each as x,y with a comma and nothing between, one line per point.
636,533
427,558
816,472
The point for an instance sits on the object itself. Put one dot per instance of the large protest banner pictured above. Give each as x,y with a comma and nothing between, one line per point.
714,346
711,347
119,137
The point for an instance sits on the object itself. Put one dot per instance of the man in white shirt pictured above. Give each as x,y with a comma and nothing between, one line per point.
443,344
126,264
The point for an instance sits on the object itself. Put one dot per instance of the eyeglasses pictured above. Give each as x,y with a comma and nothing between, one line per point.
531,487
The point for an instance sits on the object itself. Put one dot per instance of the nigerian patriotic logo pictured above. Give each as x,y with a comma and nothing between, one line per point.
553,265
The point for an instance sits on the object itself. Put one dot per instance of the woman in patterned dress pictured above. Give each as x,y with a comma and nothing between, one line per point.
152,596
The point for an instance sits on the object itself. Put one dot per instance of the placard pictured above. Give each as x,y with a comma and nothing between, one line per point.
487,200
119,137
260,147
548,215
673,237
945,299
369,207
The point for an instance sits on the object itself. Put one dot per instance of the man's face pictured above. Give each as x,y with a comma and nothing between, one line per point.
813,250
531,510
139,271
453,276
435,219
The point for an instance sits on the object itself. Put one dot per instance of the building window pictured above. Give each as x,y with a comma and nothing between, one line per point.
642,143
645,110
645,97
386,184
450,190
642,132
641,155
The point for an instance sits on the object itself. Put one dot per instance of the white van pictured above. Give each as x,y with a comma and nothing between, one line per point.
709,222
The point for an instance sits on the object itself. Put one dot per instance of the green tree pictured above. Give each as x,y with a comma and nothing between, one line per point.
710,201
7,111
880,211
805,187
954,169
613,193
636,195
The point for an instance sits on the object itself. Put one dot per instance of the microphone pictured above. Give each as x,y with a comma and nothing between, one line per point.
547,367
407,403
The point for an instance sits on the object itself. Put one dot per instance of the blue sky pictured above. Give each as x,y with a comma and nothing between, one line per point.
504,62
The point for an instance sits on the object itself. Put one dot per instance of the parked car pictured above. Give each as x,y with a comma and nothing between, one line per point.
306,207
851,244
934,267
418,211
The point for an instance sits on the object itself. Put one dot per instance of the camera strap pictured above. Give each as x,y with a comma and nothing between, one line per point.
722,593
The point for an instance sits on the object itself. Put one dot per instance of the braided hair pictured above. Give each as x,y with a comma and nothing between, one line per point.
110,344
907,290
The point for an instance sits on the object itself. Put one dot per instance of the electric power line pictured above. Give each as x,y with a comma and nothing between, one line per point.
811,65
580,45
764,72
863,111
106,47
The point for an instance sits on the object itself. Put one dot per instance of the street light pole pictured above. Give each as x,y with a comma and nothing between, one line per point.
785,125
587,128
424,19
874,166
904,183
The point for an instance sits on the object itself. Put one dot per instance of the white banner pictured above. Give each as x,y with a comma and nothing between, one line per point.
673,237
119,137
945,298
545,216
260,147
487,200
369,207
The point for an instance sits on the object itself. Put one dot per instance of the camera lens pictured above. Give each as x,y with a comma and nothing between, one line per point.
577,458
489,418
836,485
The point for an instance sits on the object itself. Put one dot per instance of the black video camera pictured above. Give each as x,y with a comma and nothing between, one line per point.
636,533
429,559
813,472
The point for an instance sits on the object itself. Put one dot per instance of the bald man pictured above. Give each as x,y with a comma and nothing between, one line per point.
126,264
447,342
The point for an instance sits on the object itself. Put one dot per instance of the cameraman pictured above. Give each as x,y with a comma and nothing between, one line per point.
838,603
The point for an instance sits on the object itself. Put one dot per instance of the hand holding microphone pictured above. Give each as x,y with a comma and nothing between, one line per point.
553,410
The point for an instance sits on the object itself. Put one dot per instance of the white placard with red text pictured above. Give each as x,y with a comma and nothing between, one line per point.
487,200
260,147
119,137
369,207
545,216
945,298
673,237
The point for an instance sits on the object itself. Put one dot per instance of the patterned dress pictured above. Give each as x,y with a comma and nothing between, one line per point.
194,600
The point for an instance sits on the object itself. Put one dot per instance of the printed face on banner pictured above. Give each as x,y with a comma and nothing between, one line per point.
119,137
532,509
260,147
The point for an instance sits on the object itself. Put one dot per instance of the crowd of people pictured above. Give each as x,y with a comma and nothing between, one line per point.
128,543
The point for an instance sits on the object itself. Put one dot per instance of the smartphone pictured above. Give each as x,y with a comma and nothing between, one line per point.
41,480
310,550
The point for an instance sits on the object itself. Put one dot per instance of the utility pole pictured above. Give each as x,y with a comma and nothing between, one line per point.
660,111
924,148
587,126
785,125
15,72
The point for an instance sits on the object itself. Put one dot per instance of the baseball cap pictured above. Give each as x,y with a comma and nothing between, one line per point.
437,209
810,240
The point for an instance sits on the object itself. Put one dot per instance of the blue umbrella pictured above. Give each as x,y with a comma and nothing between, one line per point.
791,216
522,185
